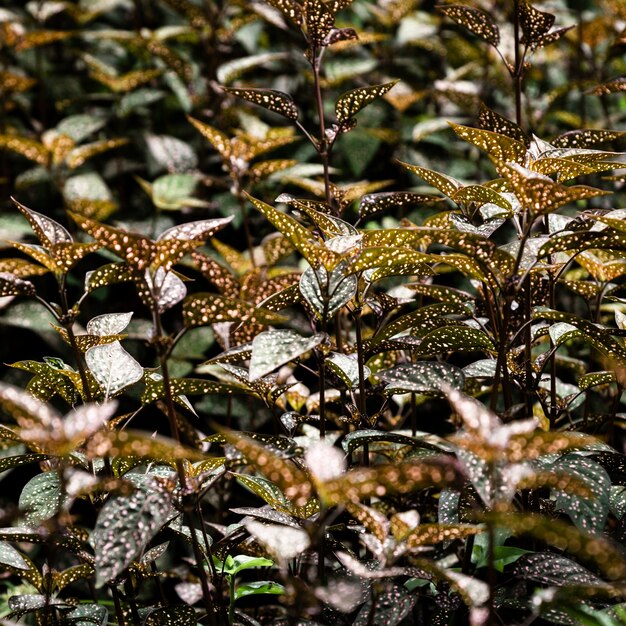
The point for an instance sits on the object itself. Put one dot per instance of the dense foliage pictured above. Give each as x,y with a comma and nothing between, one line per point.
312,313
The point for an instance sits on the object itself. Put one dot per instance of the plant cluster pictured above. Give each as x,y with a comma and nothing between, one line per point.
313,312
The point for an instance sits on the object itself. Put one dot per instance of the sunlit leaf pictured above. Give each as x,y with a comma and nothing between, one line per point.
274,348
500,148
270,99
476,21
41,498
490,120
113,367
327,292
401,201
424,378
350,103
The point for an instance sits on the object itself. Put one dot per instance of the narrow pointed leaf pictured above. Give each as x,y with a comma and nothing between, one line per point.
350,103
476,21
270,99
113,367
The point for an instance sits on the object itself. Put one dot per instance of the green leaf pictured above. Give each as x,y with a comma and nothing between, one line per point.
274,348
13,558
92,614
424,378
455,339
259,587
400,201
270,99
327,292
588,514
350,103
242,562
476,21
358,438
41,498
125,525
109,274
113,367
446,184
479,195
594,379
174,191
346,367
186,386
554,569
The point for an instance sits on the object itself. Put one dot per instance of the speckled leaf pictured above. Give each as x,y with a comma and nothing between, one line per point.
9,462
586,138
373,520
136,250
216,138
319,21
258,587
26,603
109,274
446,184
283,542
327,292
367,482
432,534
426,318
455,339
476,21
125,525
267,491
108,324
173,192
424,378
29,148
270,99
290,8
479,195
274,348
490,120
89,615
535,24
400,201
186,386
12,557
298,235
166,288
78,156
563,536
41,498
21,268
386,259
216,273
113,367
182,615
595,379
499,147
48,231
291,480
358,438
72,574
390,608
600,338
209,308
11,285
345,366
350,103
588,514
554,569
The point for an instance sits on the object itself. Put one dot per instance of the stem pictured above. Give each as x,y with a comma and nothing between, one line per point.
519,65
231,605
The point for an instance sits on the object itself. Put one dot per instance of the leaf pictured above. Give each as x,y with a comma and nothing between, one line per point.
490,120
432,534
358,438
48,231
362,483
400,201
93,614
446,184
173,615
291,480
424,378
534,23
479,195
284,542
586,138
274,348
594,379
500,148
9,462
327,292
125,525
29,148
588,514
41,498
173,192
259,587
455,339
208,308
319,20
476,21
109,274
350,103
298,235
13,558
108,324
113,367
270,99
155,389
11,285
390,608
554,569
345,366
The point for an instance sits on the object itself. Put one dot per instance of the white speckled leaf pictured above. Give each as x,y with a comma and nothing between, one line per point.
12,557
41,498
282,541
125,526
347,368
113,367
274,348
327,292
108,324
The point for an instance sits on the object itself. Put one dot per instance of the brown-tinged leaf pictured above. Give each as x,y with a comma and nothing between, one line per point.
496,123
500,148
350,103
270,99
476,21
535,24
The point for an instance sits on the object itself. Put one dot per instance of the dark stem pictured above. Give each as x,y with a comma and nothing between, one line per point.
518,65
